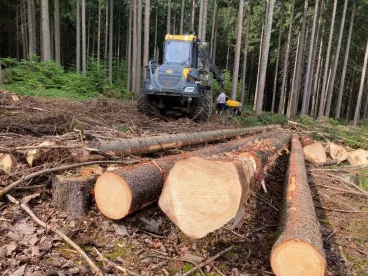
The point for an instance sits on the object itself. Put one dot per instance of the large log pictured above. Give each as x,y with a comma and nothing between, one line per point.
124,190
201,195
299,248
160,143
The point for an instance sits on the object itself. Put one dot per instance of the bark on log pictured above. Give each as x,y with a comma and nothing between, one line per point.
72,194
201,195
299,249
124,190
165,142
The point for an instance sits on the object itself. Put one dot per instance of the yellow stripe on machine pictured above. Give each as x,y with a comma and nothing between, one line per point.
180,37
232,103
185,72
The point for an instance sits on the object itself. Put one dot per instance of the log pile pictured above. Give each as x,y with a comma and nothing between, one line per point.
201,195
121,191
299,248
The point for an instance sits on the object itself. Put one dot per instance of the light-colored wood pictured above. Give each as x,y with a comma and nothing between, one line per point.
219,187
6,162
358,157
34,154
315,153
91,170
297,258
338,153
113,195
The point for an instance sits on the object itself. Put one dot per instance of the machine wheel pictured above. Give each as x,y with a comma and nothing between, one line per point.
202,107
146,106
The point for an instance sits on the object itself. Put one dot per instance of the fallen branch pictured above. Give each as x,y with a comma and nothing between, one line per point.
208,261
58,169
348,182
12,149
341,211
24,206
118,267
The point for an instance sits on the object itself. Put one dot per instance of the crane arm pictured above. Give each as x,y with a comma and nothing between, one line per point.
207,61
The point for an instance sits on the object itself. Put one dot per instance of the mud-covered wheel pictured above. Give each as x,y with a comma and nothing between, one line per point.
202,106
146,106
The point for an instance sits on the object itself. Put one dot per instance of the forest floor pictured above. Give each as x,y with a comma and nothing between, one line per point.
131,243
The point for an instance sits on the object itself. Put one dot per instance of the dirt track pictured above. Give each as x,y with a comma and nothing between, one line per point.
130,242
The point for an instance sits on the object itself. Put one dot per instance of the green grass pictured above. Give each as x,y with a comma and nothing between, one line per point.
266,118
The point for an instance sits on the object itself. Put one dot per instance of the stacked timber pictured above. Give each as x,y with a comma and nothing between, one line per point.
201,195
299,248
122,191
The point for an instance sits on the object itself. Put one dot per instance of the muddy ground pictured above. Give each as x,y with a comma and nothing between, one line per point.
146,242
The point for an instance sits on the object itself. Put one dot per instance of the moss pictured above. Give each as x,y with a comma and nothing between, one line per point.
126,251
325,221
187,267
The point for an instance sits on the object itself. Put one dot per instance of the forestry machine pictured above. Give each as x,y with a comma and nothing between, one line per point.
182,81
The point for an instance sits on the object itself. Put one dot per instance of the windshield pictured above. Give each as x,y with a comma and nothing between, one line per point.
178,53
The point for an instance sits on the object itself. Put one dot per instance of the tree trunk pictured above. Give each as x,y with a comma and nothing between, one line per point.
46,54
168,26
361,89
274,91
129,47
57,31
182,16
264,58
111,29
299,248
281,109
118,193
245,57
23,29
17,29
344,68
327,62
84,46
99,34
335,62
200,23
365,114
237,51
135,49
259,69
291,92
144,145
316,81
146,34
202,195
204,20
214,18
72,194
1,74
139,46
77,57
192,15
106,29
312,49
31,28
298,76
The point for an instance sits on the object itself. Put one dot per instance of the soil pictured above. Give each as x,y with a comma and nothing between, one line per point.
147,242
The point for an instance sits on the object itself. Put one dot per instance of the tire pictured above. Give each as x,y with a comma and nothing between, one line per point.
146,106
202,107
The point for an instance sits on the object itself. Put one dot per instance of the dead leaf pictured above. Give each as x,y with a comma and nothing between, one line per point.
10,248
121,230
19,271
192,257
35,251
24,227
14,236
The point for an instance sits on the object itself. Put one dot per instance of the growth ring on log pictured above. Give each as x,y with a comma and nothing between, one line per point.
113,195
297,258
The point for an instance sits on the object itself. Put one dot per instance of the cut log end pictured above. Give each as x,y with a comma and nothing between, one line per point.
202,191
297,258
113,195
7,162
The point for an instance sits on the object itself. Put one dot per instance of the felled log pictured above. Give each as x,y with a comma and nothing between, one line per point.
160,143
315,153
7,162
299,248
201,195
358,158
338,153
72,194
124,190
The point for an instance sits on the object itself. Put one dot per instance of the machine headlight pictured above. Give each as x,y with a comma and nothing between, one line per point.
189,89
149,86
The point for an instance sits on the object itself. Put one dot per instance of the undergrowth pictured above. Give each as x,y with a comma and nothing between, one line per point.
249,119
49,79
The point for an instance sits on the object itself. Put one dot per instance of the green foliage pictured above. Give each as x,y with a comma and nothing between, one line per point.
49,79
265,118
